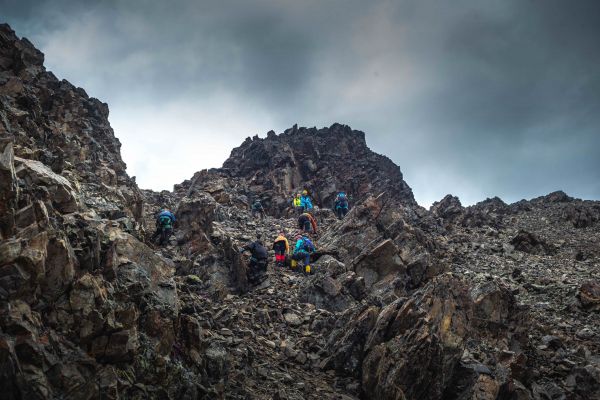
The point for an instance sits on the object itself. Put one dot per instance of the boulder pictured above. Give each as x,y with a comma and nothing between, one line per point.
531,243
34,173
589,295
382,260
418,343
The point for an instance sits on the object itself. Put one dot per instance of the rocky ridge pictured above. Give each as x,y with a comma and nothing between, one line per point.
493,301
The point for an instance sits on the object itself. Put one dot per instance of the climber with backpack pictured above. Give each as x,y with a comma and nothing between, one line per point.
257,209
282,249
259,259
341,205
302,251
307,223
305,201
164,225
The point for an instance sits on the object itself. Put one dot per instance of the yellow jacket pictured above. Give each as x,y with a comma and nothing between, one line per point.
287,245
296,201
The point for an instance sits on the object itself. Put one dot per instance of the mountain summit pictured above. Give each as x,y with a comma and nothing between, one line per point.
323,161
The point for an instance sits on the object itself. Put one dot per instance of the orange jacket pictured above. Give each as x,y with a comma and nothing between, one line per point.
283,238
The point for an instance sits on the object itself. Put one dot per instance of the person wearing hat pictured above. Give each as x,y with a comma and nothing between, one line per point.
305,201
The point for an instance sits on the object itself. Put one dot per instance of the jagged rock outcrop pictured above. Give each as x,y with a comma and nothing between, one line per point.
421,346
59,125
449,208
80,294
383,243
323,161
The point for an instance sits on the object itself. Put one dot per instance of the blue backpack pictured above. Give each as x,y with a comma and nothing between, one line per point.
342,200
307,245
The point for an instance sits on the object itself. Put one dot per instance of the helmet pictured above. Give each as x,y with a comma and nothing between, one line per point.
305,192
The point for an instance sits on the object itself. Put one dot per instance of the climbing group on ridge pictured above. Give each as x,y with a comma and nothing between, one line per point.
297,258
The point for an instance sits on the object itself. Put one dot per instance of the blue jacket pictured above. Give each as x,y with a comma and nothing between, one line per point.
341,202
306,202
166,213
304,245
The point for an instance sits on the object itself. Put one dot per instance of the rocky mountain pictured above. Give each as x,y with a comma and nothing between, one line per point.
492,301
323,161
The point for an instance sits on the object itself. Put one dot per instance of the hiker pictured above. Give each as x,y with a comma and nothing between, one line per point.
341,205
257,209
257,267
307,223
302,251
305,202
164,225
282,248
296,202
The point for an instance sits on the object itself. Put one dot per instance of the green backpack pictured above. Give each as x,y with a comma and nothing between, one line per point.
165,221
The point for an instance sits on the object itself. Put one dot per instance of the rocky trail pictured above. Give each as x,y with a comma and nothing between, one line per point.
276,338
491,301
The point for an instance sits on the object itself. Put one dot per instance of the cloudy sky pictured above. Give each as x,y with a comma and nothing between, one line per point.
471,97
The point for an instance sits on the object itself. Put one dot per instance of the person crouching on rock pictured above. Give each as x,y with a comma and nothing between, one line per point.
282,248
302,251
257,267
164,226
307,223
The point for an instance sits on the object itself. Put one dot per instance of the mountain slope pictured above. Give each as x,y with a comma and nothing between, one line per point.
493,301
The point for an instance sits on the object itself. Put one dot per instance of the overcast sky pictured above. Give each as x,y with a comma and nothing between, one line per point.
471,97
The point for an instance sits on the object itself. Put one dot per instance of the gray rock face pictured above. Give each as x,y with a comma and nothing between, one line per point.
78,293
61,192
58,125
9,191
323,161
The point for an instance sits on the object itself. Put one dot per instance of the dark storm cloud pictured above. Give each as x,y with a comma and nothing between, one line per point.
469,97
